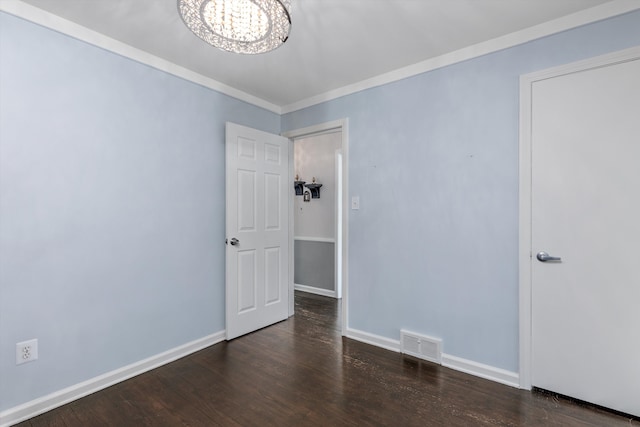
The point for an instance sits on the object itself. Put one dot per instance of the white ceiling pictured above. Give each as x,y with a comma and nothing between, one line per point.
333,43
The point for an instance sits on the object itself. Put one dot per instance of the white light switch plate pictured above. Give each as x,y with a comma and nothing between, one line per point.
355,203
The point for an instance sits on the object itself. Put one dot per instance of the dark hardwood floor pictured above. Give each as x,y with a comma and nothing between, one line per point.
301,372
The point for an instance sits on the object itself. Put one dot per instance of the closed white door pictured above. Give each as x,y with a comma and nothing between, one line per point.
257,229
586,211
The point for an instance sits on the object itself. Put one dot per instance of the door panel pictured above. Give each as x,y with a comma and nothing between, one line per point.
272,275
246,200
257,217
247,286
585,209
273,215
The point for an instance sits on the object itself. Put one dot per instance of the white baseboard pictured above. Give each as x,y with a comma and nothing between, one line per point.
317,291
46,403
51,401
488,372
314,239
492,373
377,340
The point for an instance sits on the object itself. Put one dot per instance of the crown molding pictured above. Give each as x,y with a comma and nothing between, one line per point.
64,26
587,16
56,23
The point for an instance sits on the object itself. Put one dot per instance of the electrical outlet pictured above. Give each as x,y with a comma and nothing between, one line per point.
26,351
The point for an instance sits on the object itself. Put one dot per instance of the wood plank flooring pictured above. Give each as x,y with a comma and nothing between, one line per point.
301,372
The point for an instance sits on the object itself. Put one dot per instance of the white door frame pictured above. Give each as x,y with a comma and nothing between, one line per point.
525,256
343,126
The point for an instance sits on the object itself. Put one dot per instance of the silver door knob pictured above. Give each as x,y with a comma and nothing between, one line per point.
234,241
544,257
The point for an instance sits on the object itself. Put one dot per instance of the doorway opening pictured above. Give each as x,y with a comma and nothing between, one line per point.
318,263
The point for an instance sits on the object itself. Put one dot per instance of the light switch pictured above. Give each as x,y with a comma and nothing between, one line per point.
355,203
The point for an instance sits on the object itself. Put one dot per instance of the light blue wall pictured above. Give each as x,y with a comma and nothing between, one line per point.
112,202
434,159
111,209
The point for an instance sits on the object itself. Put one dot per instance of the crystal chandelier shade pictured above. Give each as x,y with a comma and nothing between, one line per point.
240,26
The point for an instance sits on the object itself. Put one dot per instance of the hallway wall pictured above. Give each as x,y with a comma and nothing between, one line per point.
315,221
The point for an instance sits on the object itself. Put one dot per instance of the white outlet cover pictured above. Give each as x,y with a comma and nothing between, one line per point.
26,351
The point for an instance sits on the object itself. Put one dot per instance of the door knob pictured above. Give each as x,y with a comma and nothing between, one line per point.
544,257
234,241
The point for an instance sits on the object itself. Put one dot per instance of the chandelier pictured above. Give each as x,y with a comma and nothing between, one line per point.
240,26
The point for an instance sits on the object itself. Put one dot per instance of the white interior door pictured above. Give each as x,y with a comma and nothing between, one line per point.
585,321
257,229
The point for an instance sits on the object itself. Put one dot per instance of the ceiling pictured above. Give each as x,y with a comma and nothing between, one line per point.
333,43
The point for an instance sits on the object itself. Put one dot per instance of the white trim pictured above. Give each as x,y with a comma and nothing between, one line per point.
525,204
56,23
587,16
319,129
315,239
524,233
292,295
316,291
61,397
337,248
481,370
345,225
341,125
377,340
470,367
